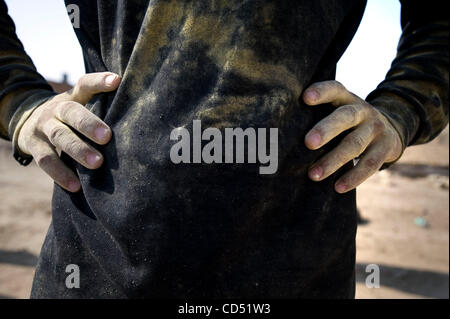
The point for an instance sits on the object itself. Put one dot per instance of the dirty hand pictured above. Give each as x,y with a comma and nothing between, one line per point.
51,127
372,136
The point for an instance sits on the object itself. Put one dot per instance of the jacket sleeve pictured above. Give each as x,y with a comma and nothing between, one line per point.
414,95
22,88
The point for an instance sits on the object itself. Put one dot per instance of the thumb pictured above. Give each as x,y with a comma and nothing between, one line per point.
93,83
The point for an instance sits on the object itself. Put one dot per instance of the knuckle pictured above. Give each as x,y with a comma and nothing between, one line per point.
41,120
355,141
89,82
338,87
48,106
64,109
358,141
350,112
81,123
354,97
339,158
67,105
73,147
44,115
81,88
44,159
56,134
335,117
378,126
81,83
373,163
371,111
368,106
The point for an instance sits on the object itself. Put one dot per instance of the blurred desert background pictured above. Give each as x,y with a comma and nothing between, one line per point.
404,226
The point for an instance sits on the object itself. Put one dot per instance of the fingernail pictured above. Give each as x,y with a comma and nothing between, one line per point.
312,95
314,139
101,133
316,172
92,159
110,79
74,186
341,187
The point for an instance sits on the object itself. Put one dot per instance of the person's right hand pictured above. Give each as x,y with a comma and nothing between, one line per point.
50,128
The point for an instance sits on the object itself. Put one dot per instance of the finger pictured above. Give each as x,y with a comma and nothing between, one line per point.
350,147
368,165
329,92
83,121
64,139
48,160
334,124
91,84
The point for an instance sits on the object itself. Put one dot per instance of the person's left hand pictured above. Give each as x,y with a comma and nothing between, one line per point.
372,137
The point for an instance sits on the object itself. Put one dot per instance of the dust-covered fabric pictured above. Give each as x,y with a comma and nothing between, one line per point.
143,226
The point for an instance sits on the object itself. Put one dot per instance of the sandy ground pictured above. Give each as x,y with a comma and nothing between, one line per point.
413,259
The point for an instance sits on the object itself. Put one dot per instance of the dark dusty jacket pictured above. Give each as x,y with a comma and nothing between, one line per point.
145,227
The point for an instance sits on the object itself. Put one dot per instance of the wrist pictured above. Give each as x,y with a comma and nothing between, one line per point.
21,115
391,111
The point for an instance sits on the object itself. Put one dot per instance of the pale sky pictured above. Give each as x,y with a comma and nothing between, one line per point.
44,28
